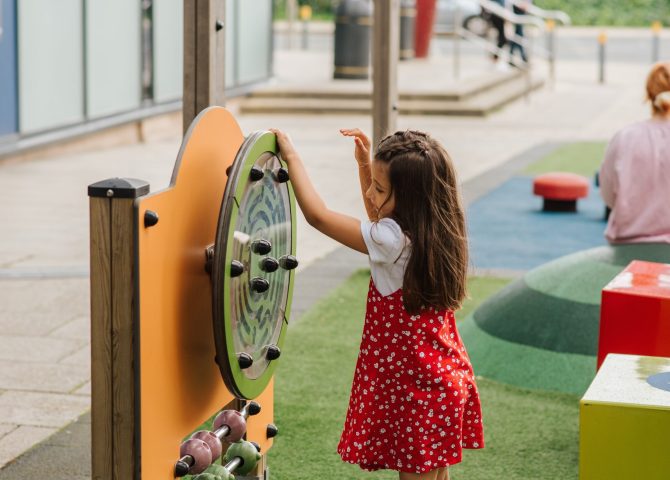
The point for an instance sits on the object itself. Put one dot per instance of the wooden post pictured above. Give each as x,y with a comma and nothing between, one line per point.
385,68
112,226
204,57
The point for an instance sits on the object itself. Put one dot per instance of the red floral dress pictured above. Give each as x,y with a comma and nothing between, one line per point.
414,403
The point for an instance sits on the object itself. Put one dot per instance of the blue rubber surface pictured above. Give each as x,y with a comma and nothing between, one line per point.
509,230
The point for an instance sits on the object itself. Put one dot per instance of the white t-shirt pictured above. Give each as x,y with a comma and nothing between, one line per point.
388,249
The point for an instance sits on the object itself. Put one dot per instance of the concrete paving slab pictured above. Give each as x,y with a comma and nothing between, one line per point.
36,349
40,377
5,428
41,409
21,439
77,329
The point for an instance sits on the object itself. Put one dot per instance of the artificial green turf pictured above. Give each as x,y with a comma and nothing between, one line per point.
529,434
582,158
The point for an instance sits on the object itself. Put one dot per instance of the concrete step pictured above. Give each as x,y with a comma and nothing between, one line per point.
360,90
411,103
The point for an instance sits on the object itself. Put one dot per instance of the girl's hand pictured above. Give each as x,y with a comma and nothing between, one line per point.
286,148
363,144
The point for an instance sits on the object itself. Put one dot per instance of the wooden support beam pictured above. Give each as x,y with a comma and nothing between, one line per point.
385,46
113,365
204,57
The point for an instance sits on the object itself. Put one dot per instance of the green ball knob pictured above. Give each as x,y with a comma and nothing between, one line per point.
247,452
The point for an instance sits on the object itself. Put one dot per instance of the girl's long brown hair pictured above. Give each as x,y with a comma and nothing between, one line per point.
429,209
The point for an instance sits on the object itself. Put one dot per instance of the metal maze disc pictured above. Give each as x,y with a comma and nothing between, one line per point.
252,281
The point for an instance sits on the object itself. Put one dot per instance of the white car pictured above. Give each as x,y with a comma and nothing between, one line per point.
470,14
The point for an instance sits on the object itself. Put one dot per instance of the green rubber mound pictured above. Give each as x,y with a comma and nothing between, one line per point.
541,331
525,366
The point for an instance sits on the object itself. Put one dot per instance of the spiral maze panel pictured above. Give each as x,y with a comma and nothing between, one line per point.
252,284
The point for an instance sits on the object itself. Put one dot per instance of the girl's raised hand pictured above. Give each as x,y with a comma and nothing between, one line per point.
363,144
285,145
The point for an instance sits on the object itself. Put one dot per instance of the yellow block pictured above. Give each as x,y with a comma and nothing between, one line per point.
625,421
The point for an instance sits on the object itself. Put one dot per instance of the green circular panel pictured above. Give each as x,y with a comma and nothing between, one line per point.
248,321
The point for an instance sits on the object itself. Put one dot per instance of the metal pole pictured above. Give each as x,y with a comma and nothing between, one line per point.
551,45
656,28
385,47
305,16
291,13
458,15
602,42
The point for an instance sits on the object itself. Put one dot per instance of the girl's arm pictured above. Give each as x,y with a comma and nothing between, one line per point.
340,227
362,154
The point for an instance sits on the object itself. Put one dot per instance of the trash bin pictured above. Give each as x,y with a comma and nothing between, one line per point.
407,19
353,27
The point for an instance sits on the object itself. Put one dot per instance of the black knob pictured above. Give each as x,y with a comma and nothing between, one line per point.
288,262
256,174
244,360
181,468
150,218
228,170
272,352
259,285
254,408
261,247
281,176
236,268
271,431
269,264
258,447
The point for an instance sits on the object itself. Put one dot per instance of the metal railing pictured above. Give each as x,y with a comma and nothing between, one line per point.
543,20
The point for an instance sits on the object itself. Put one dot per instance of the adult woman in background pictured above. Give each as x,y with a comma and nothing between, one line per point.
635,175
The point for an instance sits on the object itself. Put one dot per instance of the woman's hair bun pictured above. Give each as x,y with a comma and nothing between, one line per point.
662,101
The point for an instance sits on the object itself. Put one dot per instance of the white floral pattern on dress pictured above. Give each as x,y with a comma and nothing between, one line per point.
414,404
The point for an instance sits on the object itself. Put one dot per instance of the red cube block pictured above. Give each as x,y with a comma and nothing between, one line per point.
635,312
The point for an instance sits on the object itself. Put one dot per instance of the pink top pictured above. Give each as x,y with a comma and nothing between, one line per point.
635,183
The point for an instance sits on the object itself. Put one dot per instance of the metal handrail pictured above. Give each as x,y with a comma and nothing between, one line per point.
509,16
531,9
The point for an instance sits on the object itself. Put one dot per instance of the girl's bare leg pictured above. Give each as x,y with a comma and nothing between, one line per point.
442,474
432,475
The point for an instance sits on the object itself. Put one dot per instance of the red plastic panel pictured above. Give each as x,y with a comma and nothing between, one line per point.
635,312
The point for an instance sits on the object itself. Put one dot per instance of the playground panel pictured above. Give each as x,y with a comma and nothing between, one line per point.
156,377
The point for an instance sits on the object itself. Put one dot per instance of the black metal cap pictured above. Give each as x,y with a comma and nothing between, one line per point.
288,262
256,445
261,247
259,285
150,218
181,468
282,175
272,352
269,264
256,174
271,430
254,408
244,360
119,188
236,268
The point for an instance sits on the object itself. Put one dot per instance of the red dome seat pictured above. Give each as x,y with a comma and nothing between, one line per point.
560,190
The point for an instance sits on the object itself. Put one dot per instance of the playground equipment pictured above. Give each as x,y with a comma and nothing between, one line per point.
634,312
560,190
625,420
191,293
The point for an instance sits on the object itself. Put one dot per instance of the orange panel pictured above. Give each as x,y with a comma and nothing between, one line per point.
257,425
180,385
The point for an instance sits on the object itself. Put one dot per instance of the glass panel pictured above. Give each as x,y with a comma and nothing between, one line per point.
254,40
113,56
168,27
50,64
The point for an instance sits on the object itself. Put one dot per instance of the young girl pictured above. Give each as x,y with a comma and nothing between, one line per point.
414,403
